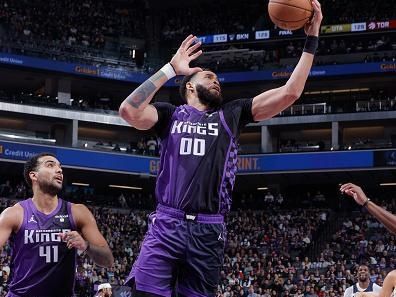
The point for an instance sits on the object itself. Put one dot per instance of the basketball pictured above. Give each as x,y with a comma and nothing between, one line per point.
290,14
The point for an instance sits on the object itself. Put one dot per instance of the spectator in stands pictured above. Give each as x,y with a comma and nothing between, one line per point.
85,40
5,189
141,146
122,201
268,198
92,22
20,191
271,237
104,290
279,199
251,292
131,147
116,148
151,145
364,283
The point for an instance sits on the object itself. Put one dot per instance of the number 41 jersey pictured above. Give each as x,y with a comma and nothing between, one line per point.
199,155
42,265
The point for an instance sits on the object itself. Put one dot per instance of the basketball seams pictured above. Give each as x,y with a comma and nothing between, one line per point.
290,14
288,21
312,11
282,3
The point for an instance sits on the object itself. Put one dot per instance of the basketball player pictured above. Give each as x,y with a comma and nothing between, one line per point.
382,215
186,236
388,289
104,290
46,232
364,283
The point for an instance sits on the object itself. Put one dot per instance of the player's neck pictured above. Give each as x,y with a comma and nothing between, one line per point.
364,285
194,102
45,202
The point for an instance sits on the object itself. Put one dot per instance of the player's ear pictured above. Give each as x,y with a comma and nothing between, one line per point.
190,86
33,175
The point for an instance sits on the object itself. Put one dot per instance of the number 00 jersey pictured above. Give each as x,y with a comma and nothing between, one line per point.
199,155
42,265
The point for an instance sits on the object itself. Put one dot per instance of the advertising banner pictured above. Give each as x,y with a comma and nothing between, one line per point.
329,29
247,164
128,75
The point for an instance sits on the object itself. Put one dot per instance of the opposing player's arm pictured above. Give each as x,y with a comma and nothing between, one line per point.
389,285
270,103
10,221
382,215
97,248
136,108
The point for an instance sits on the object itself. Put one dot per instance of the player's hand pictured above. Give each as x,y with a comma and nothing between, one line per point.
73,239
354,191
312,28
185,54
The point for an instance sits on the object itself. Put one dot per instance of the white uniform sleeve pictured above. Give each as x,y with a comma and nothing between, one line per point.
348,292
376,288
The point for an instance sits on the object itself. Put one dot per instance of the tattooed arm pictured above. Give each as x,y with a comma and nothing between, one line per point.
136,108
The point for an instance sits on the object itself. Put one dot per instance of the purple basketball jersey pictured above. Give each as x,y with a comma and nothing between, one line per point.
199,155
42,265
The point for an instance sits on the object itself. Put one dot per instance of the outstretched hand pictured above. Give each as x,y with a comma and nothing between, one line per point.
312,28
354,191
185,54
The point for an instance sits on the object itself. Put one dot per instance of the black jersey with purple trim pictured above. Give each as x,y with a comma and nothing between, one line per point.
199,155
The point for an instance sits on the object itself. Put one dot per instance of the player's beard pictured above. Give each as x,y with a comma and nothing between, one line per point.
363,278
208,98
49,188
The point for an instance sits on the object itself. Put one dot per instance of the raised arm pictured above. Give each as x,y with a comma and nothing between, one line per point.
136,108
270,103
382,215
